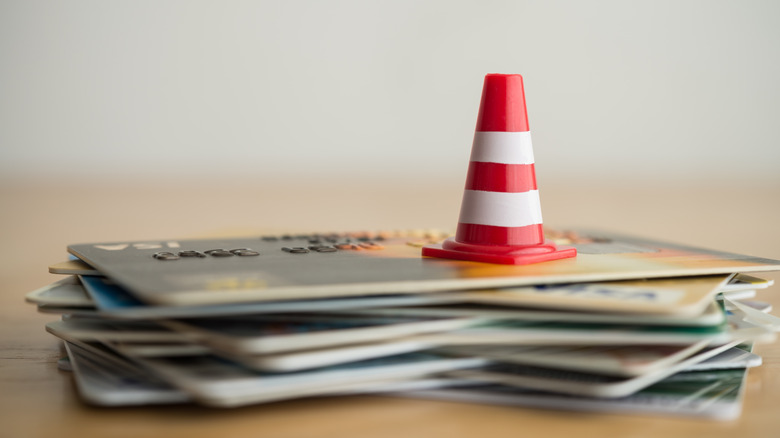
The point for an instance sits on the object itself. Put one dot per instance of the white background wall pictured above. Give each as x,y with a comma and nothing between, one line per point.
615,89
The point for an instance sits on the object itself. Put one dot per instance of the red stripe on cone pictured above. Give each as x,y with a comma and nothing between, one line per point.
498,177
492,235
503,104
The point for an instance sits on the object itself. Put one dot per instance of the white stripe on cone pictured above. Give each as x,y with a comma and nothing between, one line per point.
502,147
501,209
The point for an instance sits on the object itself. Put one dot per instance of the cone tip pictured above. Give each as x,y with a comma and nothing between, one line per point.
503,104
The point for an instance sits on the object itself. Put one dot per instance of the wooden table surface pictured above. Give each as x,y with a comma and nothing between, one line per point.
39,218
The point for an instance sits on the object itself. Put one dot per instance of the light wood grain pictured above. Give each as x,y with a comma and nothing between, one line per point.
40,219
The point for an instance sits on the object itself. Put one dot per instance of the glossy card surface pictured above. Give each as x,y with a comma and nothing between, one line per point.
212,271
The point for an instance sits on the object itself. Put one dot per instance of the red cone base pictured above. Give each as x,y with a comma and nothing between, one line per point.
502,254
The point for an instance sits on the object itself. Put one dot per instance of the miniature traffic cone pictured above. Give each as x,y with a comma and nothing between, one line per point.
501,216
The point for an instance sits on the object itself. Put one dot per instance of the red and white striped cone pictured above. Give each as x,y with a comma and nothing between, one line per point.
501,216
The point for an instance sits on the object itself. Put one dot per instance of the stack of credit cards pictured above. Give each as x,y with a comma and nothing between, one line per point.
629,325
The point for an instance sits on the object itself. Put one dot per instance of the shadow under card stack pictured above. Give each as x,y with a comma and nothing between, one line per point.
503,312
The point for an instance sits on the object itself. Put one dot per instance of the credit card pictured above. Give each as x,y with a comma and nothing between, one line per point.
219,271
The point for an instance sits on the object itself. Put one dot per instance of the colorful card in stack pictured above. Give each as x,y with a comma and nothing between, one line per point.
98,296
220,271
713,395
